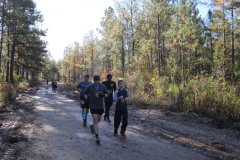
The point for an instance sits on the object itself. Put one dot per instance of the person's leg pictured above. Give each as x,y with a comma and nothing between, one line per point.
82,103
97,115
86,105
95,123
110,102
86,113
99,118
117,120
84,116
83,111
96,120
107,109
124,122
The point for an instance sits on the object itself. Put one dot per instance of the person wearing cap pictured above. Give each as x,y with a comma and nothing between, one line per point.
84,103
121,97
96,93
111,86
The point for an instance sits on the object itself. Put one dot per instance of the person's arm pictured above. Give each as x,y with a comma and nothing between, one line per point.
128,96
105,91
115,98
86,92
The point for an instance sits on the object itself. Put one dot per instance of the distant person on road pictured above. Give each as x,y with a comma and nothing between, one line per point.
111,86
84,102
121,97
96,93
54,85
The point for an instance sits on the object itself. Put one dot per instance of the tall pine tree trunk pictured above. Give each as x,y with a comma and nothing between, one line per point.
233,47
8,55
27,74
18,70
182,59
74,68
211,46
22,73
224,44
92,61
151,56
2,30
13,48
132,38
163,52
158,45
69,71
123,55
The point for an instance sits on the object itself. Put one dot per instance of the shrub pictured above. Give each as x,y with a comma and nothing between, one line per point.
211,97
23,85
205,95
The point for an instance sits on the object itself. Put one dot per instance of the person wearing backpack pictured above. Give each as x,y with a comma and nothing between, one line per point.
96,93
121,97
54,85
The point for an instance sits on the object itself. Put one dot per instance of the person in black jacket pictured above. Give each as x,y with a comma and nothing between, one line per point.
96,93
121,96
111,86
54,85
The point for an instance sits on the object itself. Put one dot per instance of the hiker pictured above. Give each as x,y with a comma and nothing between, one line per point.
96,93
84,103
111,86
54,85
121,97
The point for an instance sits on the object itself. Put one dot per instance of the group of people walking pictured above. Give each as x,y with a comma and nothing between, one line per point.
95,96
54,83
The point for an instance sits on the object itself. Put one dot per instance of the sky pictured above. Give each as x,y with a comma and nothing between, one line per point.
68,21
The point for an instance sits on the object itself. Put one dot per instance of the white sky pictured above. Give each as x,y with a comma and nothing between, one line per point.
68,21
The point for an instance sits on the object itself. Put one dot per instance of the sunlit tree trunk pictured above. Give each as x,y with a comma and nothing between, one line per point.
8,55
158,45
123,55
233,47
2,30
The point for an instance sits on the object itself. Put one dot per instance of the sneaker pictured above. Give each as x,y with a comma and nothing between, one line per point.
91,127
109,121
123,133
97,140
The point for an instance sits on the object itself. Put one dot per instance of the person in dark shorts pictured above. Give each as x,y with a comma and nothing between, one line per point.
111,86
84,103
96,94
121,97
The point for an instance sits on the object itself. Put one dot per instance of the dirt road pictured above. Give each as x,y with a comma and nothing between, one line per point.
42,124
58,133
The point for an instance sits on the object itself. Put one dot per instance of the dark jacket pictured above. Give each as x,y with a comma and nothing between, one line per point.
111,86
121,104
96,95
